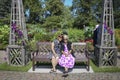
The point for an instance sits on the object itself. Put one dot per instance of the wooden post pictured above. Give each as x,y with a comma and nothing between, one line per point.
105,49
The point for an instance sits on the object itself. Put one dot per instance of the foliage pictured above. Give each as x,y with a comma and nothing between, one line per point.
53,14
5,11
54,7
33,29
43,37
31,45
52,22
6,67
67,18
35,8
117,37
83,10
75,35
4,34
88,33
116,4
90,46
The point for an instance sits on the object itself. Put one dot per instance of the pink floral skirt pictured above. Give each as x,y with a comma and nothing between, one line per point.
68,61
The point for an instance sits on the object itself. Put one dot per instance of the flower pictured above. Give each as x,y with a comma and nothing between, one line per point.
109,30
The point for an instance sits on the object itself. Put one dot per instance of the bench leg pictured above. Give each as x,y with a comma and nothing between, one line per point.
33,65
87,66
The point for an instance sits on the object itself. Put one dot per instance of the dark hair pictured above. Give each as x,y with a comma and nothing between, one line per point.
60,36
64,33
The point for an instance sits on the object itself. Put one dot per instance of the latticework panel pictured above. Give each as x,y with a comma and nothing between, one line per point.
44,48
17,55
108,57
79,49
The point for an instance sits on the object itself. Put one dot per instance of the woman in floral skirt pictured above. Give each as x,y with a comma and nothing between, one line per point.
66,60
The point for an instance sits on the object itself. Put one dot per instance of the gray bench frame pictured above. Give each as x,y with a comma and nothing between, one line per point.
44,48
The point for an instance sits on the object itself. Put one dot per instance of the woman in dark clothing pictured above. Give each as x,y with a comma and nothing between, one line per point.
56,52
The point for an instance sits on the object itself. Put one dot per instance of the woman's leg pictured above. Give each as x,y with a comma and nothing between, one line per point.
66,69
54,63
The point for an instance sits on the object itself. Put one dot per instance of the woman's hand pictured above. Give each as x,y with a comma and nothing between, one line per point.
55,55
66,54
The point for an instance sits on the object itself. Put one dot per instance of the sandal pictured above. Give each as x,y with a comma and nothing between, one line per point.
52,71
65,73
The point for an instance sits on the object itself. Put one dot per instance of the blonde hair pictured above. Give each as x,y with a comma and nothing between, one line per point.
65,36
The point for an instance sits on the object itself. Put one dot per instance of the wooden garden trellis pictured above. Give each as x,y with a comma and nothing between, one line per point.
17,54
105,49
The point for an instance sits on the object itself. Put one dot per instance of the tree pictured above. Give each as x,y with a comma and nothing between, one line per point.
35,8
83,11
88,12
67,18
5,6
116,4
54,11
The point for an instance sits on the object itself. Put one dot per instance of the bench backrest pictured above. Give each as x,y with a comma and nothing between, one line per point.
79,49
44,48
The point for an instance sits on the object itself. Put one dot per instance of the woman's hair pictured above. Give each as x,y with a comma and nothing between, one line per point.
60,36
65,37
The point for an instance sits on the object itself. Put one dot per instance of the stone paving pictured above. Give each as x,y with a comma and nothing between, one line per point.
8,75
3,56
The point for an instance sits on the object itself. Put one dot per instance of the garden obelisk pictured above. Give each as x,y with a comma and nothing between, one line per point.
17,51
105,49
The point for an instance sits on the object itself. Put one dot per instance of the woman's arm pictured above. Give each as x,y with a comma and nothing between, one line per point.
52,47
70,47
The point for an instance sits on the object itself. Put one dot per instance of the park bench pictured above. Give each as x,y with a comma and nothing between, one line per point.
44,49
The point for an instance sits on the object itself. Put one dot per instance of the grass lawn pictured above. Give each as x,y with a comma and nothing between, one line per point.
6,67
104,69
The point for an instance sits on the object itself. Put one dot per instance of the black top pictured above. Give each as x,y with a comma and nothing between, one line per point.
68,46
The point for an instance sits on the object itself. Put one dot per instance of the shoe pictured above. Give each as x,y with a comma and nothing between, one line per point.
65,74
52,71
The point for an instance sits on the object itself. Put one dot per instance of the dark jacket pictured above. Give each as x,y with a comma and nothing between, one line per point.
68,46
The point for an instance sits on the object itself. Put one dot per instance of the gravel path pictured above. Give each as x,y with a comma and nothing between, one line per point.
8,75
